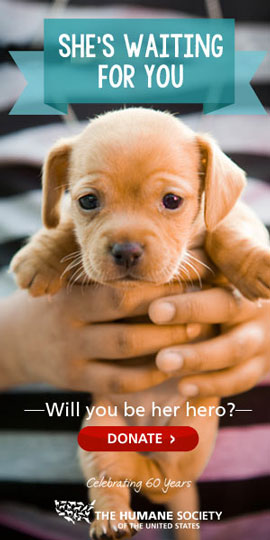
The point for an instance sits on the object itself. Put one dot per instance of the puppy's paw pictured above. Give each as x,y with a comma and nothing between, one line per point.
35,273
111,529
256,281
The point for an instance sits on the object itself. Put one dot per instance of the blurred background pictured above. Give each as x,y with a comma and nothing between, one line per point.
38,455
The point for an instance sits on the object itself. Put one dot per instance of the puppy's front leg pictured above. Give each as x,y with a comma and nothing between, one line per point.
184,466
115,518
239,246
42,265
187,500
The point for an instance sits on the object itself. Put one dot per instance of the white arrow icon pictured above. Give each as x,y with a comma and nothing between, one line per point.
172,439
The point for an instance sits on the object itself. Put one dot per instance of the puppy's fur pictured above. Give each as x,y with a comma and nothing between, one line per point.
130,159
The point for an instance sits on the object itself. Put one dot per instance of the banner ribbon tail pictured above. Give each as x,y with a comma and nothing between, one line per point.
31,100
246,101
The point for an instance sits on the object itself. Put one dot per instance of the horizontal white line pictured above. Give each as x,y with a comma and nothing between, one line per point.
243,410
34,410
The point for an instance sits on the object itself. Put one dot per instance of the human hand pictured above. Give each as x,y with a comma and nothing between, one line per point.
72,340
228,364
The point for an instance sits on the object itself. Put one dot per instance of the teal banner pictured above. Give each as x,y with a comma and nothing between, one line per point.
138,61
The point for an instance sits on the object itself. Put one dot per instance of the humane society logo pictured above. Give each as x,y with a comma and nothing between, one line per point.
73,511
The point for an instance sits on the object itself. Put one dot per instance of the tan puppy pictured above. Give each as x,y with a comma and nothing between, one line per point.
144,190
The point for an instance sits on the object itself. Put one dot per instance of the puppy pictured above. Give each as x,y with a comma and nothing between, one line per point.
144,190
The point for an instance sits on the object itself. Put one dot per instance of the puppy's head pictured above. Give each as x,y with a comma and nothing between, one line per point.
139,182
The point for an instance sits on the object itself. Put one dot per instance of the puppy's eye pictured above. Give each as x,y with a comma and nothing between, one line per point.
172,201
89,202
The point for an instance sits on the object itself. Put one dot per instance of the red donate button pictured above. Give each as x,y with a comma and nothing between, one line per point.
140,439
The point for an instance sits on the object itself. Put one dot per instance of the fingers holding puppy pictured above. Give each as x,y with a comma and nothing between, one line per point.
226,382
224,365
230,349
129,341
117,379
102,303
212,306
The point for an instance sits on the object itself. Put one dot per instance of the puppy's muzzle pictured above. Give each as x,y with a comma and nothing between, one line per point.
126,254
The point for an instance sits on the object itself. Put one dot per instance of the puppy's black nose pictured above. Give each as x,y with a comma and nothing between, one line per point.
126,253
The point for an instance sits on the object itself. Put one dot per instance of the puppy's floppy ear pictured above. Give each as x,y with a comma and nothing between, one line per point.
54,180
224,182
